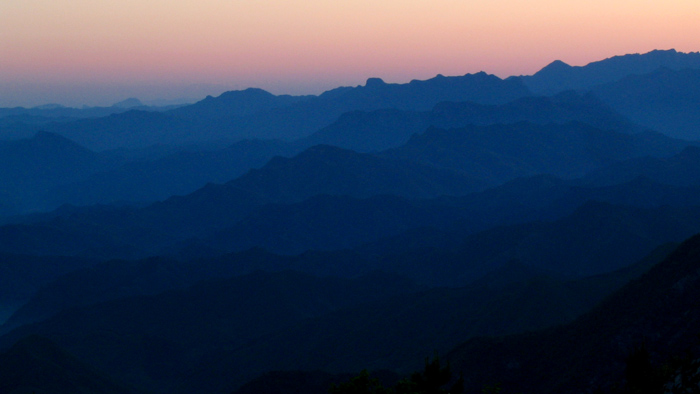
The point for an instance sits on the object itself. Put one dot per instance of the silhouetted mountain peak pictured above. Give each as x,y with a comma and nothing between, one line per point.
555,73
245,102
249,92
374,82
238,95
668,51
424,94
555,67
557,64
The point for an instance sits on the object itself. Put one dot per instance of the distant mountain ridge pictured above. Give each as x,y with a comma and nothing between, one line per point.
254,113
559,76
237,103
422,95
20,122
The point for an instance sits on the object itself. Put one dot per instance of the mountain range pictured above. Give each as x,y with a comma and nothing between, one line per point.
537,232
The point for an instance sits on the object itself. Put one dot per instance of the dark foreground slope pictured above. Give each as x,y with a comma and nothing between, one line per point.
36,365
397,334
152,341
215,336
660,309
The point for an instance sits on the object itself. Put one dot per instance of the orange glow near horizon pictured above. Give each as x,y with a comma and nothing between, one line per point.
306,46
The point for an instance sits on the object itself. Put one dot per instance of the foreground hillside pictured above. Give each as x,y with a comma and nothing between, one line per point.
218,334
659,310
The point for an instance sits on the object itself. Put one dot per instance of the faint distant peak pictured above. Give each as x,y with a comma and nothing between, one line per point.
247,102
246,94
128,103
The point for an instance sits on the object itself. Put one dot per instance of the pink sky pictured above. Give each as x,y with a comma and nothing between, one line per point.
98,52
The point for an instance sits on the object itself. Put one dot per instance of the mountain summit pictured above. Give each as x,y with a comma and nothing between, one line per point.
374,82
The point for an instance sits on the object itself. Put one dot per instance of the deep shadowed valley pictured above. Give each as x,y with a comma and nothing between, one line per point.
534,234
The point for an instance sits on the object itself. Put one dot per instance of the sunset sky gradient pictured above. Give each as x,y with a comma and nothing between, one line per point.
97,52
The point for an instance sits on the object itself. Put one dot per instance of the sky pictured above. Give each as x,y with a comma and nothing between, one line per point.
98,52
